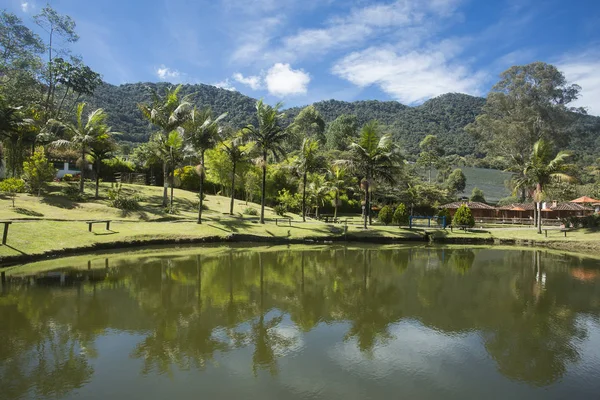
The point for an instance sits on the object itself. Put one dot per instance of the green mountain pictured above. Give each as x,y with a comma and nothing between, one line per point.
445,116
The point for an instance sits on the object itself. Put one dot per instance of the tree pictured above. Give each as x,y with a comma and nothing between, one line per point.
11,187
318,190
431,151
82,135
341,131
170,149
386,215
37,170
337,181
400,216
446,214
308,161
456,181
202,132
477,195
101,150
307,124
464,217
543,168
60,29
238,152
376,157
75,78
168,113
529,103
269,137
18,44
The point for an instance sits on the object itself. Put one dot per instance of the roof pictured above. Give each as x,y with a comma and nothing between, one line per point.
473,205
516,207
584,199
569,207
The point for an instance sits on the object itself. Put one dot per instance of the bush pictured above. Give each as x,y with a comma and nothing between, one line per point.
114,165
280,209
400,216
291,202
477,195
122,201
37,170
250,211
73,193
11,187
68,178
187,178
444,213
464,217
385,215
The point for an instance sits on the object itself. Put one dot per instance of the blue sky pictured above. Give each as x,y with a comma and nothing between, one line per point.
304,51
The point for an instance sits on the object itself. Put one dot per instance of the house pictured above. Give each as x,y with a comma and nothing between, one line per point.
557,210
64,167
478,209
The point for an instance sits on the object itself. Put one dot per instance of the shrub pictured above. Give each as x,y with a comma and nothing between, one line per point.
187,178
280,209
11,187
114,165
477,195
464,217
68,178
72,192
250,211
386,215
37,170
291,202
400,216
122,201
444,213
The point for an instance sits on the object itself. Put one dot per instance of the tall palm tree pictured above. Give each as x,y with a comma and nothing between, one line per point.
318,190
82,135
202,132
269,137
336,179
167,113
308,160
377,158
543,168
238,151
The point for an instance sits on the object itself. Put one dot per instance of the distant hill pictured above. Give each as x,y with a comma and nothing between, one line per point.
445,116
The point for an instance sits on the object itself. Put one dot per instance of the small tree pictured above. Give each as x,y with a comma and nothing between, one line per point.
386,215
477,195
400,216
11,187
456,181
444,213
464,217
37,170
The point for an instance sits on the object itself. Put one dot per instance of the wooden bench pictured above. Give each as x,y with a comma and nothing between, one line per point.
106,221
288,219
564,230
5,232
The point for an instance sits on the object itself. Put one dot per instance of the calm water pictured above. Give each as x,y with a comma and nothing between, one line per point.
284,323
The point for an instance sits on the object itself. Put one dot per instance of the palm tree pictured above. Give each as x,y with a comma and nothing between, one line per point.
237,151
308,161
166,113
269,137
377,158
318,190
542,169
102,150
202,131
336,179
82,135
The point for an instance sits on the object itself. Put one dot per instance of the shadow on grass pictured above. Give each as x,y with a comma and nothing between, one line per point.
24,211
59,201
13,248
105,233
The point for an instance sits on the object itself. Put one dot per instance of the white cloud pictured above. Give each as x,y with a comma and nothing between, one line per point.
226,84
26,6
253,81
165,73
410,78
583,70
283,81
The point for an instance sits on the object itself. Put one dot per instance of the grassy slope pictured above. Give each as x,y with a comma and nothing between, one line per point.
53,222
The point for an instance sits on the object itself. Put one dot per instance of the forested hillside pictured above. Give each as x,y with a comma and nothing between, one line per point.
444,116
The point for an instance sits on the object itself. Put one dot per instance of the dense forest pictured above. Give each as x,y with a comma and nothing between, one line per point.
445,116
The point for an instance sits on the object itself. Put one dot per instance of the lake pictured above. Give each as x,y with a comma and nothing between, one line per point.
281,322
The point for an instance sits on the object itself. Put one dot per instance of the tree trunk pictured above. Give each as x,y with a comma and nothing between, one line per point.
335,207
82,169
165,184
232,189
304,176
97,176
540,217
367,205
264,188
201,191
369,210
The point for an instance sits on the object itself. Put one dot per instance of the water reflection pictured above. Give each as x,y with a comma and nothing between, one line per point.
186,312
